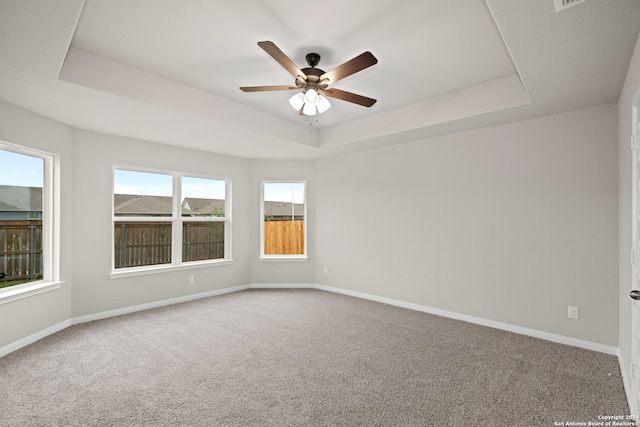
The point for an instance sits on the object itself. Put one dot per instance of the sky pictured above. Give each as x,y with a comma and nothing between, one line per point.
27,171
21,170
155,184
284,192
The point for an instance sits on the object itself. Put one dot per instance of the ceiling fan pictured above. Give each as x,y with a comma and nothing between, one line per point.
314,82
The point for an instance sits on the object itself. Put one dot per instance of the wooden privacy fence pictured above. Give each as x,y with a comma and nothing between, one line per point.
149,243
202,240
21,249
284,237
141,243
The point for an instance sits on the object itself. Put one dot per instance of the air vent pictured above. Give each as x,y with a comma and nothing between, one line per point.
565,4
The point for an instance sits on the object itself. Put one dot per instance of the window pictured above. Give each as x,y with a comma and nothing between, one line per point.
163,219
203,219
27,188
283,212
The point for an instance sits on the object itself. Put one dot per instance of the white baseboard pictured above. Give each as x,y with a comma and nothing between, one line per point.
34,337
283,286
471,319
561,339
112,313
624,371
156,304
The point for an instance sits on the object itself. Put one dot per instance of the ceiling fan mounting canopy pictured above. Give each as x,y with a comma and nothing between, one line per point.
313,59
315,78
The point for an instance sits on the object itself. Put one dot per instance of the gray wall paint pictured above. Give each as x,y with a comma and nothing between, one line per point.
34,314
94,157
630,90
511,223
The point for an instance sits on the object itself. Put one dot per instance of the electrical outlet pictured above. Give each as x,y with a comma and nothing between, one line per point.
326,271
192,279
573,312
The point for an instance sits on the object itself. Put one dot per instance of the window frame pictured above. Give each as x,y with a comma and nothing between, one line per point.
283,257
50,226
176,220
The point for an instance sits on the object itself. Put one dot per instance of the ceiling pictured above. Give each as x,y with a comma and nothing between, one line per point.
169,71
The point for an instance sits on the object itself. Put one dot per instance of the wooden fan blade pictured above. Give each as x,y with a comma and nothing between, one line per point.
282,59
349,97
359,63
266,88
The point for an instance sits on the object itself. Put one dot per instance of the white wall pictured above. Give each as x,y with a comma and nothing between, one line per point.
630,91
282,272
511,223
24,317
94,157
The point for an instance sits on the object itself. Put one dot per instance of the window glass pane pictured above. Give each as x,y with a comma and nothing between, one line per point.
284,218
144,194
147,233
203,197
21,214
202,240
141,243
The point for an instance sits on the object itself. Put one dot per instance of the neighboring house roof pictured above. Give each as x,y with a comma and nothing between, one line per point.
29,199
136,204
14,198
282,209
132,204
163,205
199,206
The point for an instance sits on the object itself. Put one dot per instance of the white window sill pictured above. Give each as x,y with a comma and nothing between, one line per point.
280,258
154,269
24,291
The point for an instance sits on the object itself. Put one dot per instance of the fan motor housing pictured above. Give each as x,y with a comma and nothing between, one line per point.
313,74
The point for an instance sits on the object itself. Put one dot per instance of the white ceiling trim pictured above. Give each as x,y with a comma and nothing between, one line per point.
93,71
170,73
96,72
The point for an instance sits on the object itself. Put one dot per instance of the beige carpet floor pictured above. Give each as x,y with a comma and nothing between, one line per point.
301,358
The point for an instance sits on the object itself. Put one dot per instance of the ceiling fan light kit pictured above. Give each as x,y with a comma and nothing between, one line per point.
297,101
323,104
314,82
310,102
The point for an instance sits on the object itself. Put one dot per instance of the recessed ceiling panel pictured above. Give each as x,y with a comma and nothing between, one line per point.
425,49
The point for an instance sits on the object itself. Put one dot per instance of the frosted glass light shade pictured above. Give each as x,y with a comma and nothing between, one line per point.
297,101
311,97
323,104
311,102
309,110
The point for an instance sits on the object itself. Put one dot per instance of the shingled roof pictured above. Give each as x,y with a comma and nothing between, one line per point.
283,209
162,205
142,205
29,199
130,204
198,206
14,198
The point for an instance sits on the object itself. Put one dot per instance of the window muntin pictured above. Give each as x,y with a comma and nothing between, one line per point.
283,214
26,217
168,219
